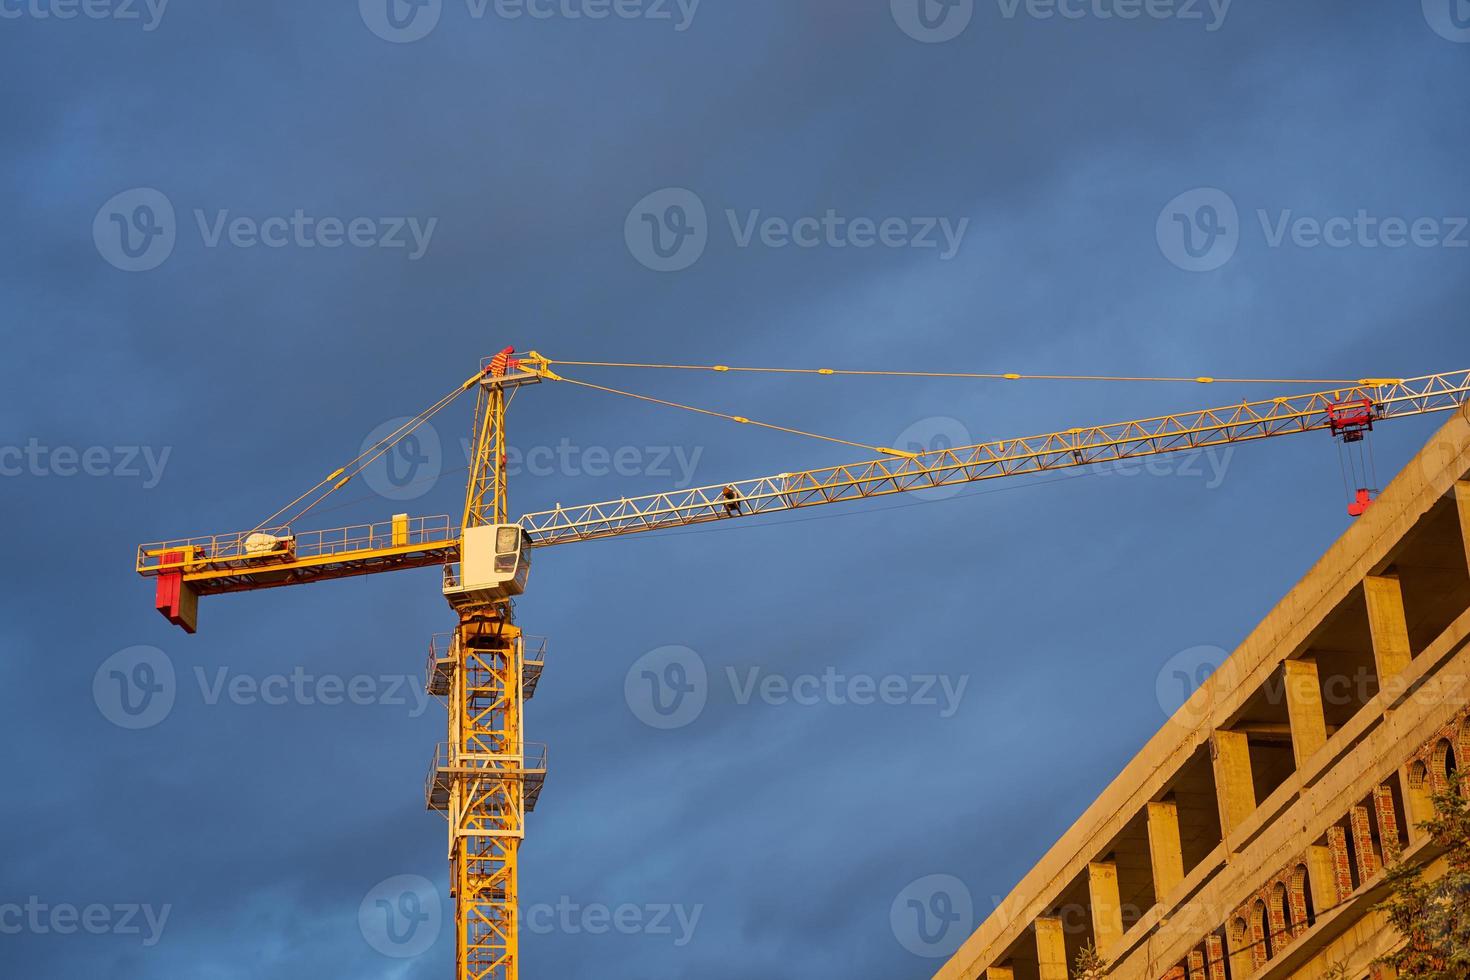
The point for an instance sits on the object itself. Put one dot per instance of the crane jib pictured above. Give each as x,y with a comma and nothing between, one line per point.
1068,449
272,558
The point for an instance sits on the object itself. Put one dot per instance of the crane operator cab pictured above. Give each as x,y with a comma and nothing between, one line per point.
494,563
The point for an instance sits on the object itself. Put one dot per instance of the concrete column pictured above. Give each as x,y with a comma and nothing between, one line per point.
1417,800
1342,870
1242,964
1462,499
1360,822
1390,629
1235,792
1215,956
1321,877
1296,904
1000,973
1304,708
1259,940
1165,851
1276,920
1051,949
1385,814
1107,907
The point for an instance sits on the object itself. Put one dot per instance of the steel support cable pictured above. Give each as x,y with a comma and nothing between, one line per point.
382,446
357,464
725,368
732,418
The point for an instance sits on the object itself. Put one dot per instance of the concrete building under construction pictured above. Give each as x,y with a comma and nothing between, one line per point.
1248,839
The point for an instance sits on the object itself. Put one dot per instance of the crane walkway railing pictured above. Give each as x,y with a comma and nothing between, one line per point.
244,549
529,765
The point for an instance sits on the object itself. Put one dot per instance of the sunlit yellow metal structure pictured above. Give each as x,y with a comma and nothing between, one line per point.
486,777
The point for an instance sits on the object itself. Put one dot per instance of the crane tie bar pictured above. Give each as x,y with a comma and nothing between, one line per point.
345,473
733,418
829,372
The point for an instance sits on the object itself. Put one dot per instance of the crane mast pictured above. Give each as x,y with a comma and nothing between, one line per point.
485,778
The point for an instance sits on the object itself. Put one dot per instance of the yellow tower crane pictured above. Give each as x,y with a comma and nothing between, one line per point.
487,777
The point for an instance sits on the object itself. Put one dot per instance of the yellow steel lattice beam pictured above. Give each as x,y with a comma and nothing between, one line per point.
1071,448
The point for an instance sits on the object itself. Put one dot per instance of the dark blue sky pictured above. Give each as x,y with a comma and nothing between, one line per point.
1123,196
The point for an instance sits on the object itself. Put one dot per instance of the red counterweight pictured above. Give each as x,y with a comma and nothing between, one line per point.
178,603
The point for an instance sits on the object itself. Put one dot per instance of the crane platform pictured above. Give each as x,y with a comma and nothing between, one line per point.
267,558
529,767
439,671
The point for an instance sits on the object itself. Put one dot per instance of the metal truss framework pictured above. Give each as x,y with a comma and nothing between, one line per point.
222,563
486,500
485,780
488,783
1073,448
